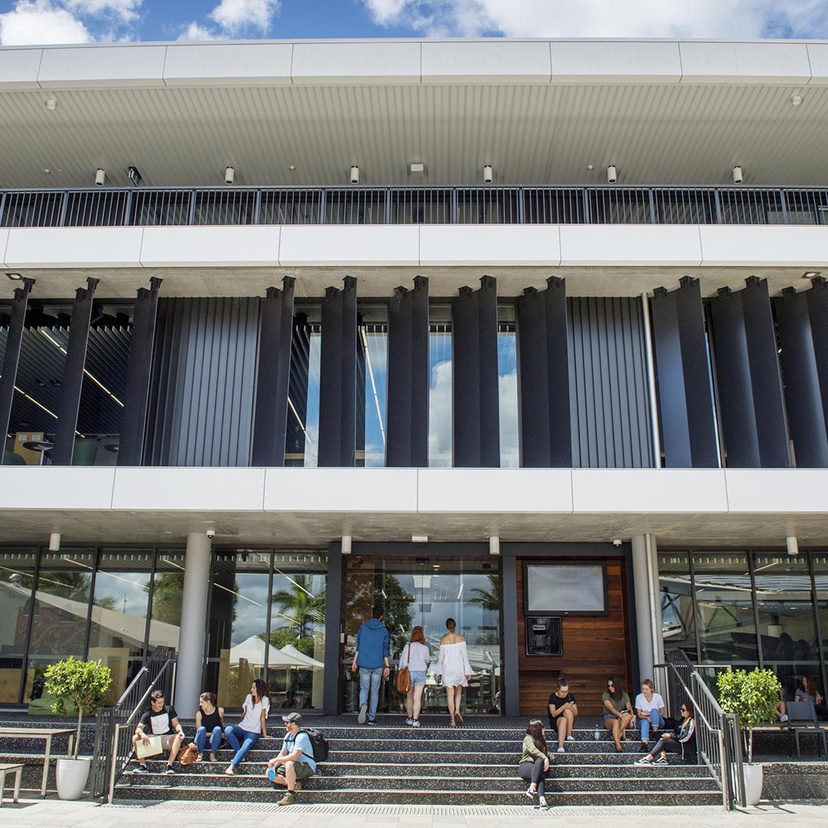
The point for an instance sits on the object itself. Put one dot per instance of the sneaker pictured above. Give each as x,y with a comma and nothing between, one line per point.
783,718
570,738
287,799
644,761
170,769
415,723
141,769
542,802
409,721
531,792
363,712
661,761
561,750
372,722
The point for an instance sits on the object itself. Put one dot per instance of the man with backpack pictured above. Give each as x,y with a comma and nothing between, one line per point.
295,761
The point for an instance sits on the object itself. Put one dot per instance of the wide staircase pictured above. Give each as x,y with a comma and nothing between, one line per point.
434,765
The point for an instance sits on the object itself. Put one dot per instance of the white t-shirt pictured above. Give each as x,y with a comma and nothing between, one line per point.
251,722
655,703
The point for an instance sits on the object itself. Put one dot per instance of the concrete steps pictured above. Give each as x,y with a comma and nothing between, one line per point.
435,764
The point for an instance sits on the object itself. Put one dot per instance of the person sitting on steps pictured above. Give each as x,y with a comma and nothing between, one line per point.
295,761
651,710
162,720
618,714
682,741
209,722
562,713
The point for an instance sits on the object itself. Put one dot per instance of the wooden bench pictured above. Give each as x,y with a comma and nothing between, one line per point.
45,733
17,770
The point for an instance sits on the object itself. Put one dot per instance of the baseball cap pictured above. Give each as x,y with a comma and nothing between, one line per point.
292,717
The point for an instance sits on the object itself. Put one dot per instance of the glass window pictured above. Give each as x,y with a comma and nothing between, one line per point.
302,440
439,387
17,569
677,623
60,610
372,379
167,590
819,562
727,629
119,615
239,601
786,618
508,387
426,592
296,657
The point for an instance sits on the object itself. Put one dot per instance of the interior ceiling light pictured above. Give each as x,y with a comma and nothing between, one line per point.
51,104
15,277
796,100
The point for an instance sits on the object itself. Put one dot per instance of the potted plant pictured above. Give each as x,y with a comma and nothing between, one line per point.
753,697
85,683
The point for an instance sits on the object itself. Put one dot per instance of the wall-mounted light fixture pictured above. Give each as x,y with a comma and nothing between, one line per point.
416,168
738,175
612,174
346,544
355,174
494,545
134,176
808,274
54,542
15,277
793,545
100,177
51,104
229,176
419,539
488,174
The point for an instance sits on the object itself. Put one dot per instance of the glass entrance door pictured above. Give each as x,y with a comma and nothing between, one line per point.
425,592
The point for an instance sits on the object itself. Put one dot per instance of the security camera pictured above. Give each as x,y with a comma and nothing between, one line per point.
612,174
229,176
211,533
100,177
738,175
617,542
355,174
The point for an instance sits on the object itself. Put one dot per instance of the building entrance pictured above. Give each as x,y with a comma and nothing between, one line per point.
425,591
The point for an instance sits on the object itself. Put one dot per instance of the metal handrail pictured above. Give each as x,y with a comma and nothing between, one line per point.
718,734
114,725
165,206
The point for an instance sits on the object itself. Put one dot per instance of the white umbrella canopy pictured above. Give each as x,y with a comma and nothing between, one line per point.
302,659
253,650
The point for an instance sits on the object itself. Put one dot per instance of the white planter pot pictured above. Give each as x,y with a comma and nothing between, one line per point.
753,784
71,775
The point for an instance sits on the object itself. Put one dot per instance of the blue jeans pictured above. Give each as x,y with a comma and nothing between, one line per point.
655,719
369,681
233,734
201,739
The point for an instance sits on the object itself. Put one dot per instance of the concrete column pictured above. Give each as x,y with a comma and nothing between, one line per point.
647,604
193,625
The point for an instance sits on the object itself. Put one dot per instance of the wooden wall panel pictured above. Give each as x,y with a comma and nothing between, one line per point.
594,648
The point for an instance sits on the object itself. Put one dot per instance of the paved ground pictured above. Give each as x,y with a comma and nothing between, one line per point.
51,812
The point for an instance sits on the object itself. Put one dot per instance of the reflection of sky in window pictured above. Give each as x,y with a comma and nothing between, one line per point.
312,417
128,590
250,607
375,346
508,398
439,400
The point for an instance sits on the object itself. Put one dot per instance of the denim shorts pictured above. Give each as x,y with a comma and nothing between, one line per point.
417,677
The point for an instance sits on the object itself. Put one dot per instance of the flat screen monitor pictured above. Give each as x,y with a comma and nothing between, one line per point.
566,589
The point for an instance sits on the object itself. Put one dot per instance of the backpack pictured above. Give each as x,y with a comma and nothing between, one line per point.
319,742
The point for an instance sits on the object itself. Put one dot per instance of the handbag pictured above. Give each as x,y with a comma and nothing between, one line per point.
155,746
188,755
403,680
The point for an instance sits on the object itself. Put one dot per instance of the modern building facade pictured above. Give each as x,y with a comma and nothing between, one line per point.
531,334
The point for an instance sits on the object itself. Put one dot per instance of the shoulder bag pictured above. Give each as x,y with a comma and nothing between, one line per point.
403,681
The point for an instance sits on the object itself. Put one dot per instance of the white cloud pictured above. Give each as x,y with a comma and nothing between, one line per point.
235,16
124,10
40,22
196,32
606,18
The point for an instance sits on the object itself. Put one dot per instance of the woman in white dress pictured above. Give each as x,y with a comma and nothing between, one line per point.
453,665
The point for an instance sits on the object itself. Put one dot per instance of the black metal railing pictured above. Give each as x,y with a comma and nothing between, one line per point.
718,734
115,725
147,206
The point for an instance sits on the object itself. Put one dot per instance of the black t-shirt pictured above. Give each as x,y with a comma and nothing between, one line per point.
557,702
159,724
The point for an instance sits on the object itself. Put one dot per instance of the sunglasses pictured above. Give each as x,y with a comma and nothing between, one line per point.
683,709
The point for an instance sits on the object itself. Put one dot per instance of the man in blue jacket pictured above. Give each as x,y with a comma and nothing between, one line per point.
371,659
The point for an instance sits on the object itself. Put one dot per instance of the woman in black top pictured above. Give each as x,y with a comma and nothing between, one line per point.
209,722
562,712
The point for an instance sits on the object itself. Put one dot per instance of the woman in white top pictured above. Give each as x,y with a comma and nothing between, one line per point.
453,665
416,657
246,733
650,710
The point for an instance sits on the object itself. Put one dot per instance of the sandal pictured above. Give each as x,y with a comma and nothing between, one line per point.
458,718
231,771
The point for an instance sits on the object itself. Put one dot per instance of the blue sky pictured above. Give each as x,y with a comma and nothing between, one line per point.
31,22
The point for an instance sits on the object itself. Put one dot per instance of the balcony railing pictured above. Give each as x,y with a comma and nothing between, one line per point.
145,206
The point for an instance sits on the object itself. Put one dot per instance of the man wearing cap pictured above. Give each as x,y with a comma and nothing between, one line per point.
295,760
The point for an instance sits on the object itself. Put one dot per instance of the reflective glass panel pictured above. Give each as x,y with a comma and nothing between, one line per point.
296,656
507,387
819,563
302,439
439,387
372,378
677,623
167,590
727,630
119,615
16,585
786,618
426,592
61,609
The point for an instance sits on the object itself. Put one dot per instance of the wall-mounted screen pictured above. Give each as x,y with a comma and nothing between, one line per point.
566,588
